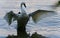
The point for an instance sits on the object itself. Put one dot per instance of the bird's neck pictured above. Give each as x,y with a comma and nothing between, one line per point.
22,9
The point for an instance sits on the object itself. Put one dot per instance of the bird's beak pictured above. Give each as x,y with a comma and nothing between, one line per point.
25,5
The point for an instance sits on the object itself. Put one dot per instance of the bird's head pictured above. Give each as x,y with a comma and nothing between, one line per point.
23,4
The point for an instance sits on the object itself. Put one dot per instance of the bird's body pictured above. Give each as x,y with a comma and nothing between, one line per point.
21,28
22,20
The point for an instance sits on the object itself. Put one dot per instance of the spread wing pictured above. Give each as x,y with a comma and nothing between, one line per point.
40,14
10,16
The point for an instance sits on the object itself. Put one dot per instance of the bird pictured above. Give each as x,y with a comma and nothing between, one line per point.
35,15
22,17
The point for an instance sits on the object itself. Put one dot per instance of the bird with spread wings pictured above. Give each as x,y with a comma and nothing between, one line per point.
22,17
36,16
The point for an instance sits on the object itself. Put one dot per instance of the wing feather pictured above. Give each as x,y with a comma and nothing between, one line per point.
40,14
9,16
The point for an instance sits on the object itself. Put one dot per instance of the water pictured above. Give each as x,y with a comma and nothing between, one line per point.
2,37
49,27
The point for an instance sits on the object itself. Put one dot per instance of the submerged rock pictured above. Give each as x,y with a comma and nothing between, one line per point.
11,36
34,35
